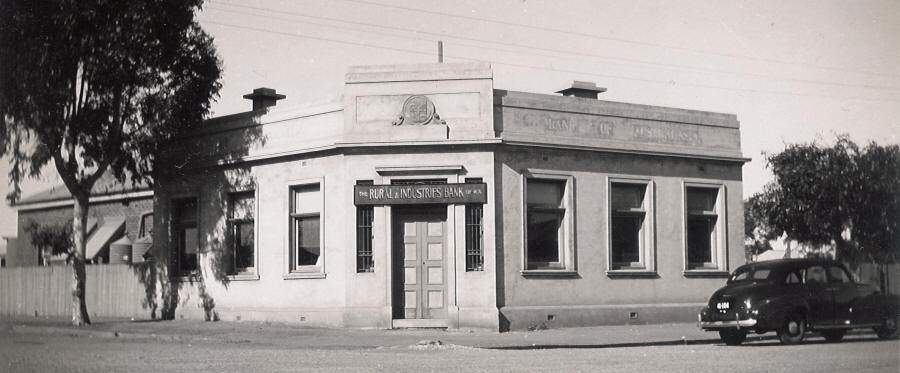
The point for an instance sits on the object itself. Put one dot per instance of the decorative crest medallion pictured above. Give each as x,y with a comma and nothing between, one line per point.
418,109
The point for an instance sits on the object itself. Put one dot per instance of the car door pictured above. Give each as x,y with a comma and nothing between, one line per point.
819,296
843,290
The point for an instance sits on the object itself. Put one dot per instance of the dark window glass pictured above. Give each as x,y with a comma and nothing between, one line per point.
626,232
702,222
546,212
837,275
184,227
816,275
474,233
305,227
307,233
241,221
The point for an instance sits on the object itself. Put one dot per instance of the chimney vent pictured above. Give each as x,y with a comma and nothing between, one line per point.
263,98
583,90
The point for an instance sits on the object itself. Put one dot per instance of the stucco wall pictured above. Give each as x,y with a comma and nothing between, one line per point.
591,296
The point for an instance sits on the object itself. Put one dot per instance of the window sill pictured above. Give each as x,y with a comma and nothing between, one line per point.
632,273
243,277
704,273
548,273
302,275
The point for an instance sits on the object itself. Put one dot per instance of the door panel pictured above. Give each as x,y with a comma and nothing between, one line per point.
821,299
421,250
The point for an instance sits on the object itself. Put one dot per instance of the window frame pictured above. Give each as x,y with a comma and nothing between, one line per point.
718,264
646,264
474,231
175,227
248,273
365,259
566,245
292,269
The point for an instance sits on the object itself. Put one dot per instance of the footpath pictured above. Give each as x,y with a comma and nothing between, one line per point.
298,336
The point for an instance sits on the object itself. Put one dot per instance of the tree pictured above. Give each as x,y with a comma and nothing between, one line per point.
51,239
840,195
98,86
757,231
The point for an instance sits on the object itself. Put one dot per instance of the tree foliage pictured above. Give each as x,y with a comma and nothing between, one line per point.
96,86
757,231
51,239
840,195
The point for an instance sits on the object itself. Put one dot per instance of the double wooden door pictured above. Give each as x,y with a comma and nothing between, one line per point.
420,274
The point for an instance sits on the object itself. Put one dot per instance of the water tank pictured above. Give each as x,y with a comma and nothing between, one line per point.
141,247
120,251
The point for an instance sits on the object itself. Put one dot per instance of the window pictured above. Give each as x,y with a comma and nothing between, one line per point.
630,226
146,227
364,218
704,228
241,227
815,275
548,224
186,235
838,275
474,234
306,228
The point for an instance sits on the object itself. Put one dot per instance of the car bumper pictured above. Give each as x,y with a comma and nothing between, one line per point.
731,324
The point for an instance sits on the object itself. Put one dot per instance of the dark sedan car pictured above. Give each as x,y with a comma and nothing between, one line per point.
794,296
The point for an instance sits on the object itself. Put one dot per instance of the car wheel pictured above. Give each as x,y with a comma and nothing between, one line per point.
834,335
793,329
733,337
888,329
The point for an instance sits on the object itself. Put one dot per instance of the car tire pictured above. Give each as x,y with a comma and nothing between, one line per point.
793,330
733,337
889,328
834,335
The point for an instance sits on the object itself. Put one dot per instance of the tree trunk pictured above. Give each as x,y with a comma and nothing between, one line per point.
79,306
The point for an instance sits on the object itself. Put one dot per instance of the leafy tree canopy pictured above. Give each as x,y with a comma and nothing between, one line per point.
51,239
97,85
841,195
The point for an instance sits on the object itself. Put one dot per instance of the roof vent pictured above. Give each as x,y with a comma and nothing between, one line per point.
263,98
583,90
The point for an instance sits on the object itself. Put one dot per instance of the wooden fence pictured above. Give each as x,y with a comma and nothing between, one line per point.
113,290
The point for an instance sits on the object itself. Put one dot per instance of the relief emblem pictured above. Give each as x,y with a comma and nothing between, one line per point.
418,109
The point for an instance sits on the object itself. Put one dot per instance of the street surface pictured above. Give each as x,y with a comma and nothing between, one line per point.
36,350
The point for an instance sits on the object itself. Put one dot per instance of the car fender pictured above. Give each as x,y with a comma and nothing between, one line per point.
772,312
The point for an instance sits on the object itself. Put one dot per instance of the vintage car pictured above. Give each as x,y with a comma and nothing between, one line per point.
794,296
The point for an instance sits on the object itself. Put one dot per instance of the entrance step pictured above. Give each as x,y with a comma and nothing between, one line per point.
419,323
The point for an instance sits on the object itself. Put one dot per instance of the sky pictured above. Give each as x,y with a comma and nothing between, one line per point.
792,71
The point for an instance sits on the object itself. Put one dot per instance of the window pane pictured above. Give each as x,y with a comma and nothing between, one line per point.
626,232
627,196
243,256
306,199
545,192
474,237
364,260
837,274
146,225
701,199
187,249
184,210
700,231
242,206
543,236
190,243
307,231
815,275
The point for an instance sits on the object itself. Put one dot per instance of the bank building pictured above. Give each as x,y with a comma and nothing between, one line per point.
427,197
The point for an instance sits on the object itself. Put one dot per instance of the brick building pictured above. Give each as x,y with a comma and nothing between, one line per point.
116,210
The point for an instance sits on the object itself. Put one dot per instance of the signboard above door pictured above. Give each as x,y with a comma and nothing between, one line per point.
415,194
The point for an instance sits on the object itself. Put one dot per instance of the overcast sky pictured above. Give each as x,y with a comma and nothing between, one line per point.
792,71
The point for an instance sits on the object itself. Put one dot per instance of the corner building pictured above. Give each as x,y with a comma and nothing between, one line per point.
429,198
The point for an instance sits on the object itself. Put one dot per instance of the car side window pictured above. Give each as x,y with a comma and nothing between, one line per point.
837,274
815,275
793,278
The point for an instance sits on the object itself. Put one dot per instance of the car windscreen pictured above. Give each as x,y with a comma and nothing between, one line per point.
751,274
